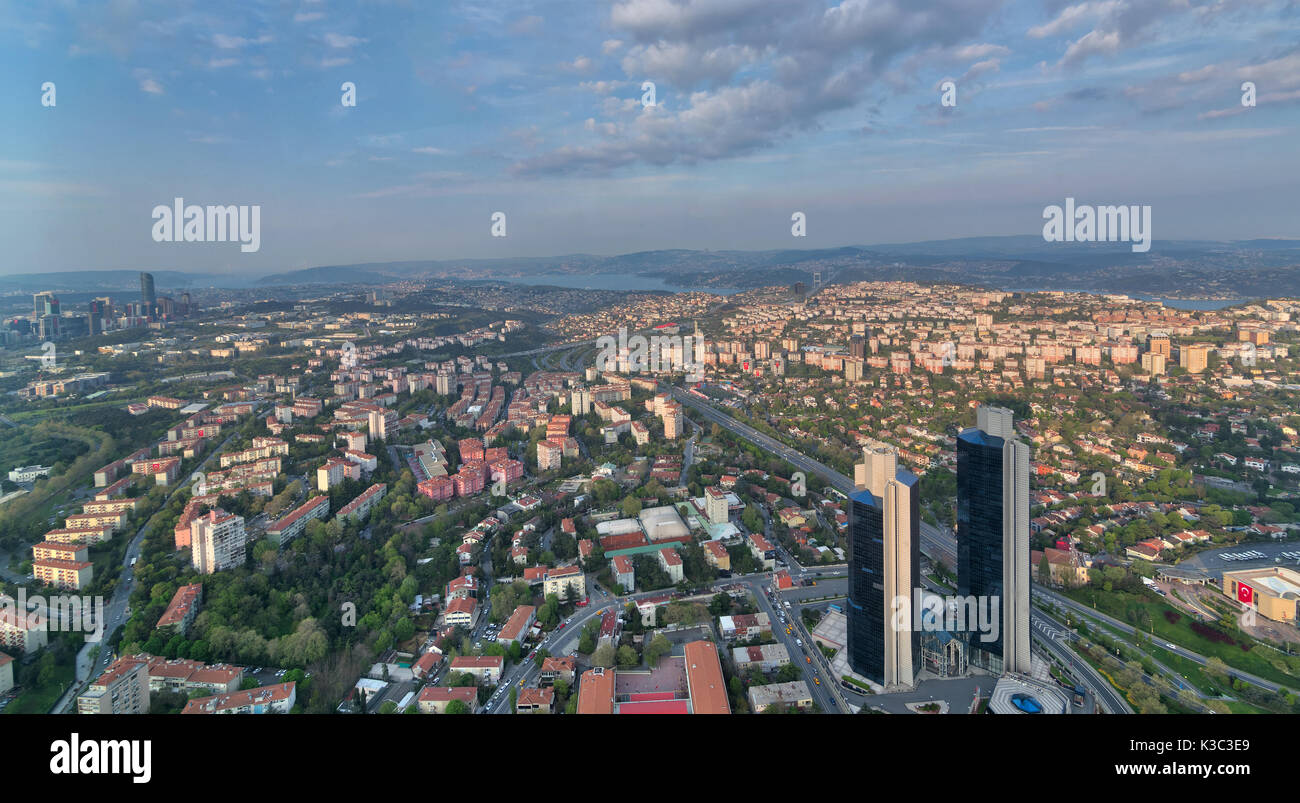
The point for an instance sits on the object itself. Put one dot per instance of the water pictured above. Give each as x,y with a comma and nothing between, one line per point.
1197,304
1193,304
623,282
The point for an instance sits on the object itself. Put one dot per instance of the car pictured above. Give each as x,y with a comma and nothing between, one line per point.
818,681
1170,646
562,625
808,658
799,642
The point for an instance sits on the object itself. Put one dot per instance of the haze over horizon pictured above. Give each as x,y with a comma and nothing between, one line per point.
533,109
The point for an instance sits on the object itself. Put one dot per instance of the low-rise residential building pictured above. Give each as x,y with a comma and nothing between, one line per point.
359,507
292,525
460,611
435,699
517,626
535,701
671,562
277,699
62,565
21,631
123,688
486,668
561,668
760,658
182,609
745,626
6,673
624,572
794,694
596,692
566,582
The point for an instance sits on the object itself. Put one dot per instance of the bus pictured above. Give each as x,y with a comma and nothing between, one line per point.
1078,696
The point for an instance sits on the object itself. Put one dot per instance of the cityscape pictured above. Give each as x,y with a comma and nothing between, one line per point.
660,357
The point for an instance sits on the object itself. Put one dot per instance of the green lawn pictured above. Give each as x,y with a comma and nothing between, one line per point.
39,699
1118,604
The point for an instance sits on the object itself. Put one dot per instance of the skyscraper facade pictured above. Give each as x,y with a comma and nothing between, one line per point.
148,297
884,567
993,535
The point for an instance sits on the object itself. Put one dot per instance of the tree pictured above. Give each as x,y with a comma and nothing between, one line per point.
720,605
658,647
457,707
604,655
631,506
627,656
1044,569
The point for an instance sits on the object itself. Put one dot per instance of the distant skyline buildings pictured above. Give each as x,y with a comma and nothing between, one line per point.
148,296
763,109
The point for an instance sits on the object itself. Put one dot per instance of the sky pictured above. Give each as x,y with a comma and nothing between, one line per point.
763,108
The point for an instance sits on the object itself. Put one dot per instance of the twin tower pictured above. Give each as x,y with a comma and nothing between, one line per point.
992,553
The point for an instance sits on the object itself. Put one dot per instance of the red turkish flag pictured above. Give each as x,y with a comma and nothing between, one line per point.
200,433
1245,593
153,467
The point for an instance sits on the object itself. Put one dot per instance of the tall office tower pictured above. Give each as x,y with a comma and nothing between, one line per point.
45,304
884,567
858,347
47,327
147,295
993,535
97,315
186,305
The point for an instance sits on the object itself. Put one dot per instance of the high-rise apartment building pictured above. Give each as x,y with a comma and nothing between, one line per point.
217,542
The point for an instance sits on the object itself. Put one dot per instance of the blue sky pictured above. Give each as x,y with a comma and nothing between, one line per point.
764,108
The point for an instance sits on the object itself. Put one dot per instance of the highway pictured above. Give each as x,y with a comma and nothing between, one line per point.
1124,627
935,542
938,543
1056,637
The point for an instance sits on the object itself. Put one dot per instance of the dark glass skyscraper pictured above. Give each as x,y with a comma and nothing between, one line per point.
147,295
993,535
884,564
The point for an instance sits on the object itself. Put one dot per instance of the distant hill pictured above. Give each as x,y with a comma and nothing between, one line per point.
95,281
1172,267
